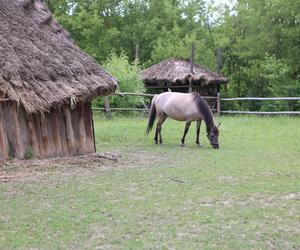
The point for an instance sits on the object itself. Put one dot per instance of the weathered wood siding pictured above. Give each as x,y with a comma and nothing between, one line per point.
62,132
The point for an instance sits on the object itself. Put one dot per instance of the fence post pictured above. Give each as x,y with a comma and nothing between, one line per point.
107,107
218,104
191,68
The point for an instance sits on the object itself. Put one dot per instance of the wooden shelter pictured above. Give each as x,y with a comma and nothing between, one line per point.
46,85
175,74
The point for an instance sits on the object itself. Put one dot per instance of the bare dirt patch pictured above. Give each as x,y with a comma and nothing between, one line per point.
85,165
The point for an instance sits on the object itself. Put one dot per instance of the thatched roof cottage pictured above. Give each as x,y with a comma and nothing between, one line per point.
46,85
175,74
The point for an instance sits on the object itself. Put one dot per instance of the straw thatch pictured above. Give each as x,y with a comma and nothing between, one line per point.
40,66
178,71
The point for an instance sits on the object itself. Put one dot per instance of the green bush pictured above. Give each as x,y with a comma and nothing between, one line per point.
129,78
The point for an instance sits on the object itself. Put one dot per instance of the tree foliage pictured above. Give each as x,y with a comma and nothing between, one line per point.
129,80
259,39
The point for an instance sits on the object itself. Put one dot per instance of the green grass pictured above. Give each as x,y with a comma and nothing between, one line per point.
244,196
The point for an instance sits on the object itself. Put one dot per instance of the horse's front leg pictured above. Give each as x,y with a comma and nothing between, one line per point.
198,133
186,129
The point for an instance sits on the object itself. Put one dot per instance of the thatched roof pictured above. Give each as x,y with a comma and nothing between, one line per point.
178,70
40,66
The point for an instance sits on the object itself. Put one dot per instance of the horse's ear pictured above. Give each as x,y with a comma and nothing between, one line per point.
219,125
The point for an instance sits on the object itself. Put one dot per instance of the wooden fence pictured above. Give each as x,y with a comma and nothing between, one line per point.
217,110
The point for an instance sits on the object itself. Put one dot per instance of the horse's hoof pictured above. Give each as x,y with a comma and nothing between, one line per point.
182,145
199,145
155,142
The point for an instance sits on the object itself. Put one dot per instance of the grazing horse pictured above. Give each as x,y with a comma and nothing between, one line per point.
182,107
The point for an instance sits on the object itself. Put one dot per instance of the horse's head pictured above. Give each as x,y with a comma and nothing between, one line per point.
213,137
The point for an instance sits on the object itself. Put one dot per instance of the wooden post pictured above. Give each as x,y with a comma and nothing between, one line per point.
17,133
93,127
218,104
82,133
3,138
219,60
33,138
69,130
53,119
191,67
89,128
219,63
107,107
46,144
137,54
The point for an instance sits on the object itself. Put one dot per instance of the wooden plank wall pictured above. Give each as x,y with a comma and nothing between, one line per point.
62,132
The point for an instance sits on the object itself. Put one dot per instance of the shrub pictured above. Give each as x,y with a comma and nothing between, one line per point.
129,77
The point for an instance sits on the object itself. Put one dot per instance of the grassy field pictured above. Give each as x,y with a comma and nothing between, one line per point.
246,195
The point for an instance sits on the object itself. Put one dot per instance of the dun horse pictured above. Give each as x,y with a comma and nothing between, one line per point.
182,107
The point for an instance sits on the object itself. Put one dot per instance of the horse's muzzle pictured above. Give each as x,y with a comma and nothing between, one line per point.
215,146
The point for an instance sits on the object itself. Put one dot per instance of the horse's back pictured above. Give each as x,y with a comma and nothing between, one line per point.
179,106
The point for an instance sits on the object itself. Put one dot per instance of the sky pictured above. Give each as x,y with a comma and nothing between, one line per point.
218,3
230,3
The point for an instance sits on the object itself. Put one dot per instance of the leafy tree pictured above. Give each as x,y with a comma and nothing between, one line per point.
259,39
129,77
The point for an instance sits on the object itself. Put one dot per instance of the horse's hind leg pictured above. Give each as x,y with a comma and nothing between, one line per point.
198,133
161,119
186,129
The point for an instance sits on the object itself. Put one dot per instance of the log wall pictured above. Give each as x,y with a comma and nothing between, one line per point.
62,132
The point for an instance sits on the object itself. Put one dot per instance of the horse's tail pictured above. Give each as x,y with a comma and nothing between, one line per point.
152,116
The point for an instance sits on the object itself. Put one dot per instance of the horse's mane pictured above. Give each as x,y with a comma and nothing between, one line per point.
205,110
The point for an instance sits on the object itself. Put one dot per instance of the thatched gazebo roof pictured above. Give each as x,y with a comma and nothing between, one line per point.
40,66
178,71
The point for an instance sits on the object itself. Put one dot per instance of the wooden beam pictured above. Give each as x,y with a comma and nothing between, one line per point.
218,103
82,133
261,112
56,133
219,60
33,138
192,67
3,138
107,107
137,54
69,130
17,133
133,94
262,99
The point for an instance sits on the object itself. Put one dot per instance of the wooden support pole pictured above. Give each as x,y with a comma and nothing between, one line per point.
17,133
69,130
62,132
219,60
91,126
137,54
218,104
219,63
3,138
82,133
107,107
192,67
33,139
45,137
56,133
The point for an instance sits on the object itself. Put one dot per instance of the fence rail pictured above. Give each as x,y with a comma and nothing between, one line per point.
218,99
261,112
151,95
261,99
133,94
122,109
